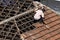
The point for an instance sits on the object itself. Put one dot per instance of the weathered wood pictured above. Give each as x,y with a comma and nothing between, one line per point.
12,18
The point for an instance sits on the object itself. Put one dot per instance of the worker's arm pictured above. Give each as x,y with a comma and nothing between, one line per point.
42,14
42,20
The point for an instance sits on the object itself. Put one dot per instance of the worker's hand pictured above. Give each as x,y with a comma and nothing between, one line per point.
42,17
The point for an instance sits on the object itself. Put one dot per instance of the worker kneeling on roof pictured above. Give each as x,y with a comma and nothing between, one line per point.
39,15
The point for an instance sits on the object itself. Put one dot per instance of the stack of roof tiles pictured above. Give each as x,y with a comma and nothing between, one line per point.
8,30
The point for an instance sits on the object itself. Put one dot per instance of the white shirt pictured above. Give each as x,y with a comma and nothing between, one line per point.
38,13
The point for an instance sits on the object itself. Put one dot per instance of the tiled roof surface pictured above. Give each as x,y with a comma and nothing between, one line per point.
26,25
41,32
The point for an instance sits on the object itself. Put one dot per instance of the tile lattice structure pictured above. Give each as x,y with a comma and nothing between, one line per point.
8,30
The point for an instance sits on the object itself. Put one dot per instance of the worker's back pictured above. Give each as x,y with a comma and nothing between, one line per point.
38,13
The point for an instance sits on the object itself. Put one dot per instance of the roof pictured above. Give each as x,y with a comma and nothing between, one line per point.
41,32
25,25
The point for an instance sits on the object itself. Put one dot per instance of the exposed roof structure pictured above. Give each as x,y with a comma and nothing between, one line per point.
24,24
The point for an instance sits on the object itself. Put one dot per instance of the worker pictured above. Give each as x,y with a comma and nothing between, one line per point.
39,15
